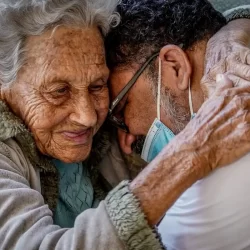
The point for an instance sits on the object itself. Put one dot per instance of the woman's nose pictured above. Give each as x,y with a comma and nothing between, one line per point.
84,112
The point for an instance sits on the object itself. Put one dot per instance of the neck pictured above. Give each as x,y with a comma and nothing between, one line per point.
197,58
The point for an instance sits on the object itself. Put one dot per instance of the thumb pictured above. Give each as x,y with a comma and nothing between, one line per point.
222,83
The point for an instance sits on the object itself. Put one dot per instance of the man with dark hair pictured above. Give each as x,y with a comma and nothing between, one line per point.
157,57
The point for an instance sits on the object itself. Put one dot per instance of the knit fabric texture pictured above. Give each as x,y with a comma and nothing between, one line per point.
223,5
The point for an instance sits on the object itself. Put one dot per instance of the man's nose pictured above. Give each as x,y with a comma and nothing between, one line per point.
125,141
84,112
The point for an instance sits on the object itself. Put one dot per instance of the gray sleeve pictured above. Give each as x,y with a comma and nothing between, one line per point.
223,5
130,222
238,12
26,222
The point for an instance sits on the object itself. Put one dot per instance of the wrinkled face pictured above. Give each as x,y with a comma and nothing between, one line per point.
61,92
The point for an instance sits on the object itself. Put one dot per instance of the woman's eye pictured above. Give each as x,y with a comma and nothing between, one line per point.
96,88
62,90
59,93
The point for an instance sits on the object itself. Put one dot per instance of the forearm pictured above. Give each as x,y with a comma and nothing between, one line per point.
161,183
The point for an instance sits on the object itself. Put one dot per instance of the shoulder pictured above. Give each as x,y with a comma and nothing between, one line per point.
223,5
238,12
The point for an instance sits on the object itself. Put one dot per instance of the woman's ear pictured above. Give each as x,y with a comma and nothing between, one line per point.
176,68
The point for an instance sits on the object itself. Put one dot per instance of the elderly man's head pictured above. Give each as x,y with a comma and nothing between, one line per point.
53,70
174,32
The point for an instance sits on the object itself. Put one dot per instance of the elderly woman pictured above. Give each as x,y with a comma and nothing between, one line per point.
54,99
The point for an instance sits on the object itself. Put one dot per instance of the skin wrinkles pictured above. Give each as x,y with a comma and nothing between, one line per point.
221,124
62,88
140,101
217,135
192,154
140,110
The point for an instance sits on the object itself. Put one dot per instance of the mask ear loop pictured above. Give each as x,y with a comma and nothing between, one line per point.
190,100
159,92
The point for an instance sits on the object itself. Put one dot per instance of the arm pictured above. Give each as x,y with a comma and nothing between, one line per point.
209,141
124,219
217,136
26,222
166,178
182,162
185,161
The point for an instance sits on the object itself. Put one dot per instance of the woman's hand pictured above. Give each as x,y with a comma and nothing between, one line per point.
228,52
217,136
220,132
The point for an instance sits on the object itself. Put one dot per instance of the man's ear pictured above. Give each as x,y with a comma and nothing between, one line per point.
176,68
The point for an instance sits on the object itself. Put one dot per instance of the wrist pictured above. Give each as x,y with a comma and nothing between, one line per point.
161,183
129,220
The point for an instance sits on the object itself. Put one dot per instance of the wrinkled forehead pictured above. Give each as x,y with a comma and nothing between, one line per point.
63,46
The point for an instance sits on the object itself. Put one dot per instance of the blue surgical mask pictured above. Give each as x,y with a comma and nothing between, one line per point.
159,135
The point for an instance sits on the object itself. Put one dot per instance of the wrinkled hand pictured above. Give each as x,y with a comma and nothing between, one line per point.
228,52
220,133
217,136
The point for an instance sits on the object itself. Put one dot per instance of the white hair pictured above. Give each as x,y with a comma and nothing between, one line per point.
22,18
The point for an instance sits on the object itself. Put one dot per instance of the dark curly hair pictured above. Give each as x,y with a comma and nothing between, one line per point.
148,25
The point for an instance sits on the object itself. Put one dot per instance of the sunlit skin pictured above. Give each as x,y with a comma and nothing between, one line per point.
139,106
61,92
205,143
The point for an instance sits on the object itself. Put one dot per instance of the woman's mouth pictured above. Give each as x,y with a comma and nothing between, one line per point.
79,137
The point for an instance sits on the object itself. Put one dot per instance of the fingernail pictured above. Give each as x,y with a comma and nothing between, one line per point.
219,77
